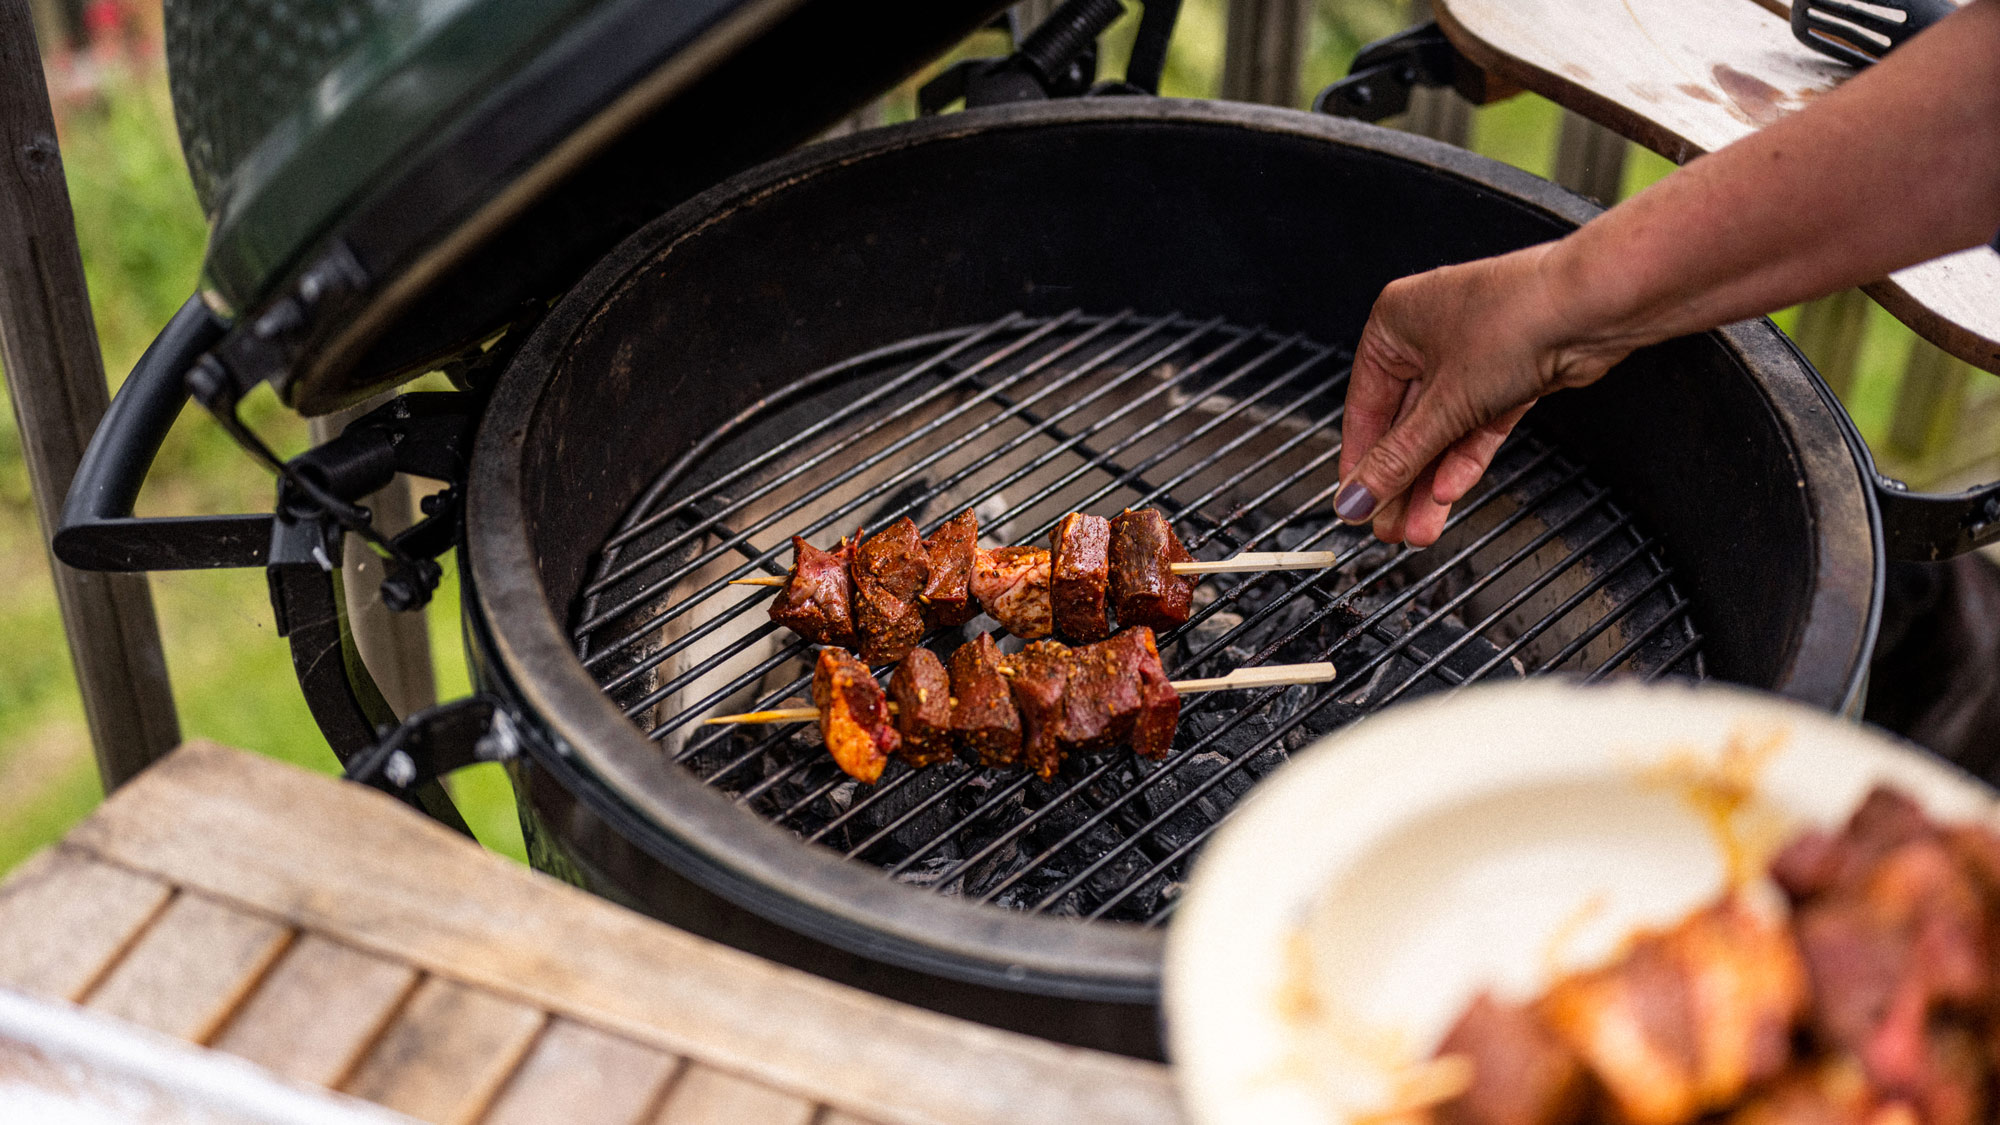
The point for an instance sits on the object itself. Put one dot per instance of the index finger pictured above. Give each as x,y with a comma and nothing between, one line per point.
1376,391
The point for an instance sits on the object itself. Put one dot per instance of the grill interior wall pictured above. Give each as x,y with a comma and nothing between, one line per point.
1235,434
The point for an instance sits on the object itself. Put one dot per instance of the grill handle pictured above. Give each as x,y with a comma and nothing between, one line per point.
1931,527
98,530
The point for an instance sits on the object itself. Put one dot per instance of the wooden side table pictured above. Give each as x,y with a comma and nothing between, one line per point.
334,936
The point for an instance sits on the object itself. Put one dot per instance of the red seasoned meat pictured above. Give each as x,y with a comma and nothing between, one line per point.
853,715
1144,588
921,691
1521,1073
1689,1019
947,596
1039,675
983,715
1012,584
817,602
1820,861
1159,702
1079,570
1102,699
889,570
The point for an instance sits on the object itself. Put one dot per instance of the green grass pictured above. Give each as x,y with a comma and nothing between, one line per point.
142,233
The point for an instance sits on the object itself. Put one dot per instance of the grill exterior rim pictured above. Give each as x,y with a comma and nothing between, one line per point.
579,734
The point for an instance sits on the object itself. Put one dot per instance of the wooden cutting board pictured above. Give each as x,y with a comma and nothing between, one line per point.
1684,77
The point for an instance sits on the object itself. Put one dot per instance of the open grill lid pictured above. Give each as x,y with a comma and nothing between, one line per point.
389,182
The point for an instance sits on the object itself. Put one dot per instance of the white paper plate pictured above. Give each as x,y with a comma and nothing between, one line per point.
1499,838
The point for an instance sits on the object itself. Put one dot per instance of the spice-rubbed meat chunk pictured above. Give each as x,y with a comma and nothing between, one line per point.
921,691
1101,700
1896,918
983,715
889,570
1012,583
1159,701
853,715
1079,572
1521,1073
1689,1018
1144,588
952,549
817,601
1835,1092
1039,675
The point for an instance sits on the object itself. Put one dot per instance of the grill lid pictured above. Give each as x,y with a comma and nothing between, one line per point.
388,181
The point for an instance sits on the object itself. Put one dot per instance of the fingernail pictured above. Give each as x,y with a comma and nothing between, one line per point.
1353,503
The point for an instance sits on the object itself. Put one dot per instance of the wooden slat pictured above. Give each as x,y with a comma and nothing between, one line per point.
447,1052
317,1011
189,971
1590,159
1830,332
1684,77
361,867
1262,50
707,1096
578,1073
65,917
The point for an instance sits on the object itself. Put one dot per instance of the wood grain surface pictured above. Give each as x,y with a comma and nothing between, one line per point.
191,968
333,935
318,1010
1685,77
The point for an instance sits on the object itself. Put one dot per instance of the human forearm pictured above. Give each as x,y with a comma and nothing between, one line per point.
1900,165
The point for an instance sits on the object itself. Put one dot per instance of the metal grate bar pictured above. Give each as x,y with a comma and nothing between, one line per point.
1231,431
679,681
1334,691
1179,756
1588,635
1519,598
1637,553
663,691
964,378
846,511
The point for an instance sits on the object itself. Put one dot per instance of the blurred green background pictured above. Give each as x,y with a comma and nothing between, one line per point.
142,236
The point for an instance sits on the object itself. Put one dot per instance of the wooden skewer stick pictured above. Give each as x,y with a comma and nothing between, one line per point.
1247,561
1271,676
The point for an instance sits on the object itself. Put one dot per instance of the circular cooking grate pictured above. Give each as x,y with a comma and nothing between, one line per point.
1235,434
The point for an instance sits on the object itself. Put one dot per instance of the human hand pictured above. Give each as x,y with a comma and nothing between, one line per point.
1449,362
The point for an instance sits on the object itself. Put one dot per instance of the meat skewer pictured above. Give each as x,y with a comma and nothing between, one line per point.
894,585
1270,675
1033,708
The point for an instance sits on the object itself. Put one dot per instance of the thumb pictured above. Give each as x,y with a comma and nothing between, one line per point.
1393,463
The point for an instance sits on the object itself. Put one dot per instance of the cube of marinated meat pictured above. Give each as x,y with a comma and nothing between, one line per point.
947,595
817,601
1144,588
1012,583
1521,1073
1819,861
889,570
1689,1018
1039,676
1834,1092
853,715
1102,699
1079,572
1888,953
983,715
1159,701
921,691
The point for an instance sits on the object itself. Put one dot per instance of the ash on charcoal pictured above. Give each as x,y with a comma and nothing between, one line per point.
930,871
